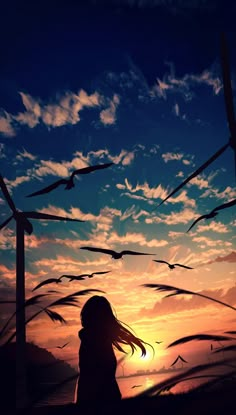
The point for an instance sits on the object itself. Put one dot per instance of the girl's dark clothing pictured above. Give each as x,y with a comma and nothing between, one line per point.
97,367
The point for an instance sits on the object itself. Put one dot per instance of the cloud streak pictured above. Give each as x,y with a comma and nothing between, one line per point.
227,258
65,110
173,305
170,84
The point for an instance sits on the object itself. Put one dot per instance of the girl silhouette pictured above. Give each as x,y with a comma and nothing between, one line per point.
97,362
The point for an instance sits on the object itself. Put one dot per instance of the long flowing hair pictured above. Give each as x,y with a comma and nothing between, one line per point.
97,314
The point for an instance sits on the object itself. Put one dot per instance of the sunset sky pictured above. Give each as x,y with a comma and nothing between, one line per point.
139,84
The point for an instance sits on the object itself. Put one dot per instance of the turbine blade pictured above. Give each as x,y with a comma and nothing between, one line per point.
199,170
228,93
47,216
6,222
7,195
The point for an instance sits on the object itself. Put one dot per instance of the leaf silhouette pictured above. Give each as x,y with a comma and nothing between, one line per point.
71,299
180,291
210,337
68,300
229,348
31,301
54,316
170,382
34,300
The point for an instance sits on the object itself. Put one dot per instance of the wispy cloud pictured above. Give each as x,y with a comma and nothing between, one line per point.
64,110
180,174
66,264
173,218
124,157
22,155
105,216
228,193
135,238
173,305
19,180
175,235
204,241
170,156
8,273
149,193
213,226
145,189
6,125
171,84
108,115
176,109
2,151
227,258
64,168
7,239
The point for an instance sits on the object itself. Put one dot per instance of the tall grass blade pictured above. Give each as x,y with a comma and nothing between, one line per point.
210,337
180,291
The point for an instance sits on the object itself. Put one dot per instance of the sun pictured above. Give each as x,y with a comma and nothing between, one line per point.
137,359
148,356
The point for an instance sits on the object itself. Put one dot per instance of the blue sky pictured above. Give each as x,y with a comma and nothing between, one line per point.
139,84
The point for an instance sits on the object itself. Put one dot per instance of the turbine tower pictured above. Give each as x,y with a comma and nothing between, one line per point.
228,95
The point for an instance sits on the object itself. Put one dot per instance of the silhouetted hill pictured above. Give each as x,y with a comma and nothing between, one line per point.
43,370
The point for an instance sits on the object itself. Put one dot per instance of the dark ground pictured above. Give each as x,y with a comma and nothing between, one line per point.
218,402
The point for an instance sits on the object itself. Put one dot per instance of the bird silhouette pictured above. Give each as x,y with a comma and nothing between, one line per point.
83,276
177,359
213,213
114,254
158,342
70,181
171,266
135,386
62,347
48,281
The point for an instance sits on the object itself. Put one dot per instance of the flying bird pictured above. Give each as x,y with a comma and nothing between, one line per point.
171,266
213,213
70,181
135,386
114,254
177,359
158,342
62,347
48,281
83,276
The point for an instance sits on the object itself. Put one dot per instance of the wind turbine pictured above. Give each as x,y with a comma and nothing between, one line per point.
22,225
230,114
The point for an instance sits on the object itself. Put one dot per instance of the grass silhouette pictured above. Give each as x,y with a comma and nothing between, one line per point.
68,300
